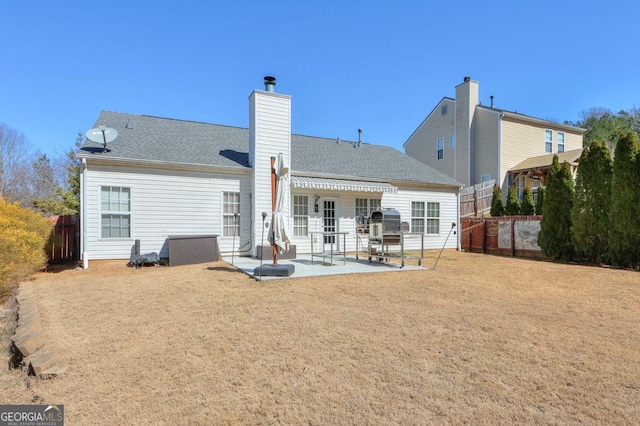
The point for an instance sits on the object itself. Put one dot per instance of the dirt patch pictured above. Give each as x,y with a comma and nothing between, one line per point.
482,339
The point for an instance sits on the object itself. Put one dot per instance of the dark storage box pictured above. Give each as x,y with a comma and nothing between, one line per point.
192,249
267,252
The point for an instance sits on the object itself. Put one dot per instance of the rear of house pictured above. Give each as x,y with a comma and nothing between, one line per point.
162,177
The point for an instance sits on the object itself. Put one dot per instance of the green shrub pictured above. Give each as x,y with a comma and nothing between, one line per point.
23,234
513,205
555,227
497,207
527,207
591,203
624,232
540,200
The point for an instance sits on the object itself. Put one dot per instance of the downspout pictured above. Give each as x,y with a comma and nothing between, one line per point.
83,214
500,151
459,239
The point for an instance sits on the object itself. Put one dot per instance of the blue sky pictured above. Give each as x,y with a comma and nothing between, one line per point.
379,66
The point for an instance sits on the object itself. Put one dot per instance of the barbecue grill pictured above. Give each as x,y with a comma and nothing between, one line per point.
385,226
386,229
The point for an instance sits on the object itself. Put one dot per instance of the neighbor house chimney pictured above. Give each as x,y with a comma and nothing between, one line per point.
270,84
491,101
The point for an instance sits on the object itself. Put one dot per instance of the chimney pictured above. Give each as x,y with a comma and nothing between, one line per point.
491,101
269,83
467,79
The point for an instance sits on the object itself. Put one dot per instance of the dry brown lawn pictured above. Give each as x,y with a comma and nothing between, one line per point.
480,340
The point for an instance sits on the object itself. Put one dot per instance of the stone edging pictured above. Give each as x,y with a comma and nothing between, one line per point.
28,339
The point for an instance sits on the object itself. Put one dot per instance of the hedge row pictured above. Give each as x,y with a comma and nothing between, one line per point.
23,234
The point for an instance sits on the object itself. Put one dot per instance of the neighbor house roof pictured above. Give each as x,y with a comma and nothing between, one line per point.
545,161
527,118
156,140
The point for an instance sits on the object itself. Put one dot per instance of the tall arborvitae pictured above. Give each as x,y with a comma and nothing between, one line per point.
591,202
555,227
624,220
497,207
513,205
540,200
527,207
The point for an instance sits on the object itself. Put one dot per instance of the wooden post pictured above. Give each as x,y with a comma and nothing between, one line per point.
274,183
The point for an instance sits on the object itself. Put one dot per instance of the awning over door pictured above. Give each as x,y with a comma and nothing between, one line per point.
341,184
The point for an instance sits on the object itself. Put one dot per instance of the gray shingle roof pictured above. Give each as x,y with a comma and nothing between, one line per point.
155,139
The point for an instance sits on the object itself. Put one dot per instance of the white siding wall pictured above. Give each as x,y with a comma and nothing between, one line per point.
163,203
269,135
400,201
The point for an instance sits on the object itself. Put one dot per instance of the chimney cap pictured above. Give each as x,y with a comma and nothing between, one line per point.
467,79
269,83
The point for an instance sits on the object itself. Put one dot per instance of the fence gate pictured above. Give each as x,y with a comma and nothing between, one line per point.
64,243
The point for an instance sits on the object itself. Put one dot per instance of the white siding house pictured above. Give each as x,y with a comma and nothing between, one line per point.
164,177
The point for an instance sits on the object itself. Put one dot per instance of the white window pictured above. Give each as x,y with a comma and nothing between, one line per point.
440,148
548,140
560,141
115,214
365,206
520,183
300,215
230,214
485,178
417,216
433,218
452,141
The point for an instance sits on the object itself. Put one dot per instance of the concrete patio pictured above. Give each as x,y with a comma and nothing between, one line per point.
305,267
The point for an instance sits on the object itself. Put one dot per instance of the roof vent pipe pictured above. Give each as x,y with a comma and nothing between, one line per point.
467,79
269,84
359,137
491,101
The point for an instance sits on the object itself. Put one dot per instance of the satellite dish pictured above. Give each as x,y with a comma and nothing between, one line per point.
103,135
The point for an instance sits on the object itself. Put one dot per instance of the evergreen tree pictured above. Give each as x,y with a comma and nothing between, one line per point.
555,228
527,208
591,200
497,208
624,221
540,200
513,204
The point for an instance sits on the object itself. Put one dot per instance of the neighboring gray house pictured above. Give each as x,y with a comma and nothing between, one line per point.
164,177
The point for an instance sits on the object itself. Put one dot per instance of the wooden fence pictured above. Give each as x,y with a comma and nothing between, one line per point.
505,236
476,200
64,242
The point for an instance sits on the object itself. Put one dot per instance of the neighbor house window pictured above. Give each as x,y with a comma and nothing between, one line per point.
115,214
300,215
560,141
374,204
433,218
485,178
520,184
440,148
444,110
548,140
452,141
230,214
417,216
